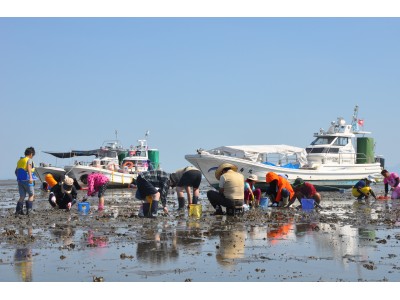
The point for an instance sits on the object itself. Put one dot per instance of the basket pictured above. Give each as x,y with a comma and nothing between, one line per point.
195,210
307,204
83,207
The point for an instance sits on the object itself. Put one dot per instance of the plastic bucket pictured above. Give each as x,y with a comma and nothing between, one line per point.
83,207
307,204
195,210
264,202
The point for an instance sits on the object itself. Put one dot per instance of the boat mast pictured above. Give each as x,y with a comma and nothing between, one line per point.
354,121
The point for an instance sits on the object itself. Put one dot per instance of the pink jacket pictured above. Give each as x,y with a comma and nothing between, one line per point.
94,182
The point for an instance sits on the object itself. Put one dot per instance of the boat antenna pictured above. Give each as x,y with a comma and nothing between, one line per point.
116,134
147,133
354,123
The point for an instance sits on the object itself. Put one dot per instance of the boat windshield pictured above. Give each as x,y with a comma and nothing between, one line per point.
323,140
341,141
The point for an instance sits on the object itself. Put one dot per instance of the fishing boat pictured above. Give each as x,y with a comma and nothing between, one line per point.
104,155
335,160
121,167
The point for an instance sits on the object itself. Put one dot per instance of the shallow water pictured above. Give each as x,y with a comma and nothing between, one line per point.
345,241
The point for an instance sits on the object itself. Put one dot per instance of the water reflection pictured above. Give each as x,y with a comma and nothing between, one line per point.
23,258
280,228
157,245
231,248
64,234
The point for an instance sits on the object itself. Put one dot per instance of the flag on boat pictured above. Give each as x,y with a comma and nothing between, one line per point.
360,122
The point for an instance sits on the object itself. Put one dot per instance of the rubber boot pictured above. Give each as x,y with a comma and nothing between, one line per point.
154,209
195,200
29,210
20,208
181,203
146,209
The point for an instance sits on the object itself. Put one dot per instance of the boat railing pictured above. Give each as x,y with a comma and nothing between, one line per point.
342,158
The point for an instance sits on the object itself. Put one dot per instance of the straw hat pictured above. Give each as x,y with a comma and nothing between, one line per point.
223,166
253,177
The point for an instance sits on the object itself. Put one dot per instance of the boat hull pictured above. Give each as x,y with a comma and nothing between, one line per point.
117,179
42,171
325,177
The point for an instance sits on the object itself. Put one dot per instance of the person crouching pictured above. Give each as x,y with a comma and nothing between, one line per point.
231,187
63,195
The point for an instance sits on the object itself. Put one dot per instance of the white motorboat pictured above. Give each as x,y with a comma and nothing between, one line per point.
336,159
121,167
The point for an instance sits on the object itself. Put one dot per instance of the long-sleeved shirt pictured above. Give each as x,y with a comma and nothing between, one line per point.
158,179
94,182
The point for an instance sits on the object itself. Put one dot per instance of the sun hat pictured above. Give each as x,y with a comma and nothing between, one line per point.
298,182
253,177
370,178
223,166
68,183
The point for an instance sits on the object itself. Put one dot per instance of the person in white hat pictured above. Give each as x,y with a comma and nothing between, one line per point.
63,195
252,195
231,187
362,189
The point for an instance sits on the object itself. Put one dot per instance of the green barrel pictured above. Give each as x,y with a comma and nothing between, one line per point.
365,150
121,156
154,157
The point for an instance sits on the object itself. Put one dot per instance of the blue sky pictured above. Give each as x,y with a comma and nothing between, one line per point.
69,83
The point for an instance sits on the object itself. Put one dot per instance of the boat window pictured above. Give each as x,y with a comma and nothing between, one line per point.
341,141
323,141
322,150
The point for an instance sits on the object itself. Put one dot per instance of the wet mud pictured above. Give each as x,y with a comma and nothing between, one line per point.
345,241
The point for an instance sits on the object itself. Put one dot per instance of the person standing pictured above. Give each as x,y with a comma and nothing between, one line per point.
63,194
96,183
152,187
280,190
25,177
183,180
392,180
231,187
306,190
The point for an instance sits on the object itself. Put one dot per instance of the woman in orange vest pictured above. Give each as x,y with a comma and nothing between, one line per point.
280,190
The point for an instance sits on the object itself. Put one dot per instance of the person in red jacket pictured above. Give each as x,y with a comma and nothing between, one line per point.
280,190
306,190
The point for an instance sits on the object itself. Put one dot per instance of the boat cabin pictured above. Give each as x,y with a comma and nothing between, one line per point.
334,146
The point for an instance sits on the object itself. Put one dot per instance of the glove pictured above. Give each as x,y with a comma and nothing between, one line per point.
53,199
69,205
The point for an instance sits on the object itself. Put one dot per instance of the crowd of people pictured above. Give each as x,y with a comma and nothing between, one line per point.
234,190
